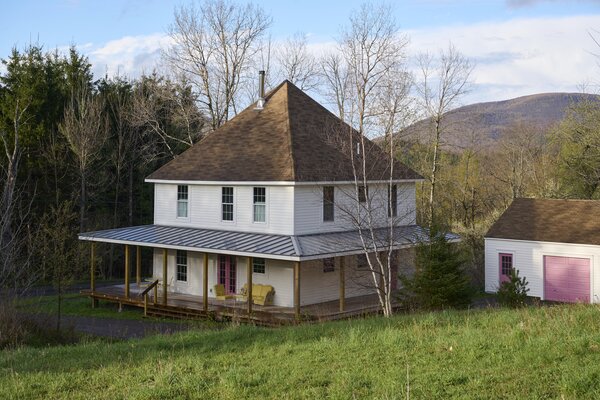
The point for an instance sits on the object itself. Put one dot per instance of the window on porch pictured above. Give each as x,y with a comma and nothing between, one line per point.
182,201
182,265
258,265
329,264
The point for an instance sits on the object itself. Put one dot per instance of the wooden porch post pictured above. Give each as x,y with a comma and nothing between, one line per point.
138,265
93,272
342,284
205,283
127,271
249,283
297,290
164,293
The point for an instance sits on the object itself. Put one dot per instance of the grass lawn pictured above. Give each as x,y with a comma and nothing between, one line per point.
75,304
534,353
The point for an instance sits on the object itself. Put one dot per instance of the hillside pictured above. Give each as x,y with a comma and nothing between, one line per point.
536,352
488,121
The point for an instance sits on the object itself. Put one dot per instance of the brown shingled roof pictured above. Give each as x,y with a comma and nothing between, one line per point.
293,139
549,220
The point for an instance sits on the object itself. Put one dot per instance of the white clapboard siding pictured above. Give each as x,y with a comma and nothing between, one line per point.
308,207
528,258
204,208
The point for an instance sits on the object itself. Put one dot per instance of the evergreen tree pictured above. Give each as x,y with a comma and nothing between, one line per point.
439,280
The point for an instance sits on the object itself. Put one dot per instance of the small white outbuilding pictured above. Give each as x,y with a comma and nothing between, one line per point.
555,244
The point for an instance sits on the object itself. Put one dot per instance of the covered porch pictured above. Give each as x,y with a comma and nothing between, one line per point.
319,297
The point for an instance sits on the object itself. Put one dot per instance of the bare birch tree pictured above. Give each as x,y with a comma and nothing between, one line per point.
214,45
371,86
444,80
334,72
85,128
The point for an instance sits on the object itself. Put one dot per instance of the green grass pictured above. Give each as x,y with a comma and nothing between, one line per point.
75,304
533,353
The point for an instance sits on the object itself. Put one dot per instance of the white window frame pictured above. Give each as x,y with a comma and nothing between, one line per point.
264,266
255,204
185,201
232,220
332,220
178,264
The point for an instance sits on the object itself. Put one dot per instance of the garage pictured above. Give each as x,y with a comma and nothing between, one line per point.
553,243
567,279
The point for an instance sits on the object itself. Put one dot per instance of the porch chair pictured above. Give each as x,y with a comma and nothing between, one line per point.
261,294
220,292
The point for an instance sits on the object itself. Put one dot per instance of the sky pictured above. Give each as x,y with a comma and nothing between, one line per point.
519,47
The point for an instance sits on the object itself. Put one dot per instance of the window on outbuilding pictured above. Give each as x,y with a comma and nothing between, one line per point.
182,201
506,264
182,265
328,203
227,203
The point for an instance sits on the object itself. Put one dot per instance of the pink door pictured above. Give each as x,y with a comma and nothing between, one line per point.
505,262
567,279
227,273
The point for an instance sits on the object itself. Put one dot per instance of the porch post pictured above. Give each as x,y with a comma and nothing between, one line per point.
127,271
138,265
164,293
342,284
93,272
205,283
297,290
249,283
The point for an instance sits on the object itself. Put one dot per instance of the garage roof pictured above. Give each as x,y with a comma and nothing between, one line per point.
550,220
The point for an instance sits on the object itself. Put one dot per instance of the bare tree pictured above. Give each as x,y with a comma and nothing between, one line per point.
336,82
445,79
370,85
214,46
297,64
85,128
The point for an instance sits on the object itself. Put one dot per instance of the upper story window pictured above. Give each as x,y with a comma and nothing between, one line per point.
260,204
182,201
363,192
258,265
182,265
328,203
393,201
227,203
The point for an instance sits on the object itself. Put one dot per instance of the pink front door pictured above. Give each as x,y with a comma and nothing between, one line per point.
567,279
505,262
227,273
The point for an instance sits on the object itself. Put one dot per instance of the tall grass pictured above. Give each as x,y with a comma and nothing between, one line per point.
546,352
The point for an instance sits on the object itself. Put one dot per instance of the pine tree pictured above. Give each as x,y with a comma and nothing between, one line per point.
439,280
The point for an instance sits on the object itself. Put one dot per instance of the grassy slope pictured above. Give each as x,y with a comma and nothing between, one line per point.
532,353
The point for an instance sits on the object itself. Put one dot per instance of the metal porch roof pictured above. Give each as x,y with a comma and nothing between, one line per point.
295,248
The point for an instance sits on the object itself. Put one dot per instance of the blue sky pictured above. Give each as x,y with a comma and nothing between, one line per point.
519,46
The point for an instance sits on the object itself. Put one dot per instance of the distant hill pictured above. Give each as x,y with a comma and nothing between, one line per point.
488,121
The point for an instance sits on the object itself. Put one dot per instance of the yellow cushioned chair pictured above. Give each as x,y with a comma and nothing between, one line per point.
220,293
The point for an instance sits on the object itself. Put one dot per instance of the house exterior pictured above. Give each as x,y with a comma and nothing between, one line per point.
555,244
270,198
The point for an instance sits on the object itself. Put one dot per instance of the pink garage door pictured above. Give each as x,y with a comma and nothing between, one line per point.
567,279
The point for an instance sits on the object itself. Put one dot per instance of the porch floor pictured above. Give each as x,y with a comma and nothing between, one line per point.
185,305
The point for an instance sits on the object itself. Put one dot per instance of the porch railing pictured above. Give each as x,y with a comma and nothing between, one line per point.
153,285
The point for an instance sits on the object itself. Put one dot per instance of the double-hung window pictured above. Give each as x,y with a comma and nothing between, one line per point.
260,204
227,203
182,265
363,192
182,201
393,201
329,264
258,265
328,203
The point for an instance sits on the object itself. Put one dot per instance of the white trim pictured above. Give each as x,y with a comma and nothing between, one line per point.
540,241
589,257
272,183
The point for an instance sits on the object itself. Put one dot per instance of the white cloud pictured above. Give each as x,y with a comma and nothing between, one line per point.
520,56
130,55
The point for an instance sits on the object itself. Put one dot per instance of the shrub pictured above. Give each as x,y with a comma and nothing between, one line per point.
513,293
